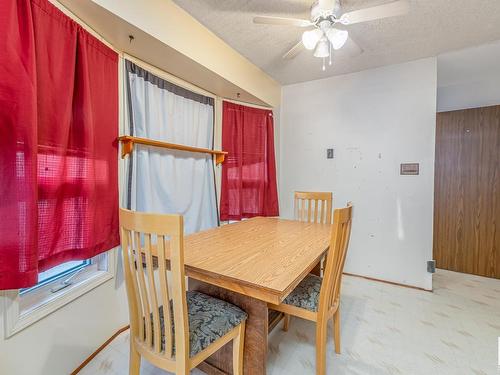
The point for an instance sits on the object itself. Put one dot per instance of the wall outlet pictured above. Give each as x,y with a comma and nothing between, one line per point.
329,153
431,266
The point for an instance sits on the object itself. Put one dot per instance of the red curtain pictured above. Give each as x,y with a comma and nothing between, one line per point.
249,172
58,151
18,142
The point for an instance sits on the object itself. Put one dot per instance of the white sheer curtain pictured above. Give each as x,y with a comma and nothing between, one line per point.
168,181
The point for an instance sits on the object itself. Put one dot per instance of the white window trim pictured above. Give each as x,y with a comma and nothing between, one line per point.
42,302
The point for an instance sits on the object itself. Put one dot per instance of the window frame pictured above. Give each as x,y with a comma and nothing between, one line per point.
24,309
61,275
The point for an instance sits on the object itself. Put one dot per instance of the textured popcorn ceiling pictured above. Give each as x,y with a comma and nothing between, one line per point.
432,27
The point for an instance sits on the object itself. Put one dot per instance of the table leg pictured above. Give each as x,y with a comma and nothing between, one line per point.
255,352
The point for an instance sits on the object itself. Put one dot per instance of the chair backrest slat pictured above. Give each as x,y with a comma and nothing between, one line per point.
167,313
179,294
313,207
328,210
134,264
335,259
143,291
148,287
155,312
129,270
322,217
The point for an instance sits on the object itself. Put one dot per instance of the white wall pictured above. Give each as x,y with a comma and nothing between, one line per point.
469,78
374,120
60,342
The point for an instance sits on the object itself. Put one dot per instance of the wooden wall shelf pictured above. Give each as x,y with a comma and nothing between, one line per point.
128,146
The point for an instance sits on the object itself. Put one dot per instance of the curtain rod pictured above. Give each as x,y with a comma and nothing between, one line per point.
247,104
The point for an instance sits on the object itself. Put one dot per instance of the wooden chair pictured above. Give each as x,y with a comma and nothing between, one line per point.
313,207
318,299
172,329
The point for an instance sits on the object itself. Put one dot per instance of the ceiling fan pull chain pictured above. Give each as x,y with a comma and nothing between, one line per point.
330,54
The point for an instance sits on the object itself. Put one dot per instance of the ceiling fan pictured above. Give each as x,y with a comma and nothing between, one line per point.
325,17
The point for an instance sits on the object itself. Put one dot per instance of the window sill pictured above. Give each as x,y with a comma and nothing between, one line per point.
21,312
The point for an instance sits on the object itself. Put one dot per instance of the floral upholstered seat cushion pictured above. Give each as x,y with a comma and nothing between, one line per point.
306,294
209,319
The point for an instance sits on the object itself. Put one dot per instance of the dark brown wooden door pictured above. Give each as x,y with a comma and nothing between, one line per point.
467,191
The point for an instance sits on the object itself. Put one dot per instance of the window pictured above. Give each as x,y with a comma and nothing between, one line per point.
69,269
56,287
59,200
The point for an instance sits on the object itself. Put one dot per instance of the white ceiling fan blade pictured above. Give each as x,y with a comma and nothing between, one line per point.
396,8
326,4
294,51
269,20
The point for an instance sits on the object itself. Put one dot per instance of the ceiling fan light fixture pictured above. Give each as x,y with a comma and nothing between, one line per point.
311,38
322,49
337,37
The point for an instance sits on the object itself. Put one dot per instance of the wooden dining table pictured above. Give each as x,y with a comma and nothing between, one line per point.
250,264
